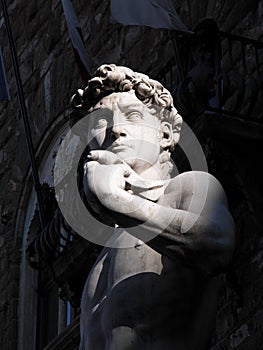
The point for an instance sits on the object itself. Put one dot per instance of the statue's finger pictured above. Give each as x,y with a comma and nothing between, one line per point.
89,165
104,157
126,173
92,155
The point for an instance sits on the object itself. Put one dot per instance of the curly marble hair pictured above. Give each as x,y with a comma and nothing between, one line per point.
110,78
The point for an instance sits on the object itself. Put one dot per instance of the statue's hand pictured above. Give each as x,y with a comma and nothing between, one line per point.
136,182
107,183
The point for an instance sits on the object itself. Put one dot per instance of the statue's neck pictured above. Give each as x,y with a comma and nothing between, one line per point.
156,173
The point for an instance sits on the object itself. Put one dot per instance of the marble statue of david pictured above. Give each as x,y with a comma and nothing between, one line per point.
156,285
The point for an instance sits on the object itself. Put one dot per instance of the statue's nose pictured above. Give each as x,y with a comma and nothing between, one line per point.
118,128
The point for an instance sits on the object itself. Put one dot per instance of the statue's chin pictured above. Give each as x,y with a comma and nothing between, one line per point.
139,166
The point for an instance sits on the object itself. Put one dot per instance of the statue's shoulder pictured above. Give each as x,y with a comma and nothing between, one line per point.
195,184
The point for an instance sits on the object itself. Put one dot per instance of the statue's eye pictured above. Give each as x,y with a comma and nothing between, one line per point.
134,116
100,123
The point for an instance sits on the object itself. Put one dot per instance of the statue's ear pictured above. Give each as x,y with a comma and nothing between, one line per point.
171,134
167,136
177,129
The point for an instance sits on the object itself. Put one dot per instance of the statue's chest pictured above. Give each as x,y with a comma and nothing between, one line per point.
115,265
127,285
127,262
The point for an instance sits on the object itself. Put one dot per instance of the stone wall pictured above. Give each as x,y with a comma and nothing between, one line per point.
50,76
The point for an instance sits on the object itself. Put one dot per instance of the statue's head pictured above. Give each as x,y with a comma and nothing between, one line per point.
123,105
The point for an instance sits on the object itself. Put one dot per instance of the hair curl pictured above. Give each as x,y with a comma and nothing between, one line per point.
110,78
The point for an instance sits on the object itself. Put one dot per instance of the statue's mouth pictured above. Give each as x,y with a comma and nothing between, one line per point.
116,147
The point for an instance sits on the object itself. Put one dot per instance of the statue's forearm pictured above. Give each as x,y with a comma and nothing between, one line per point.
179,233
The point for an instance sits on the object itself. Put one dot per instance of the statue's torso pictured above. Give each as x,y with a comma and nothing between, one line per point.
136,298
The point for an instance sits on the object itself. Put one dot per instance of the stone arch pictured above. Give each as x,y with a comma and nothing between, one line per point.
27,221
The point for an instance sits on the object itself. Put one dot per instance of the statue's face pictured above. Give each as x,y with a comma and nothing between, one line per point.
125,126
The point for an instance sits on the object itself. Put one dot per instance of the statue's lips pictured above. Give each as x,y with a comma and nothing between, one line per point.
118,147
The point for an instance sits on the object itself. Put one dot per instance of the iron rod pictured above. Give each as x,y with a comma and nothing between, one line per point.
24,115
177,57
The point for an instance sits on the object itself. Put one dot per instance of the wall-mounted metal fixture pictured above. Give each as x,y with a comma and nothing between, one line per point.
222,73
